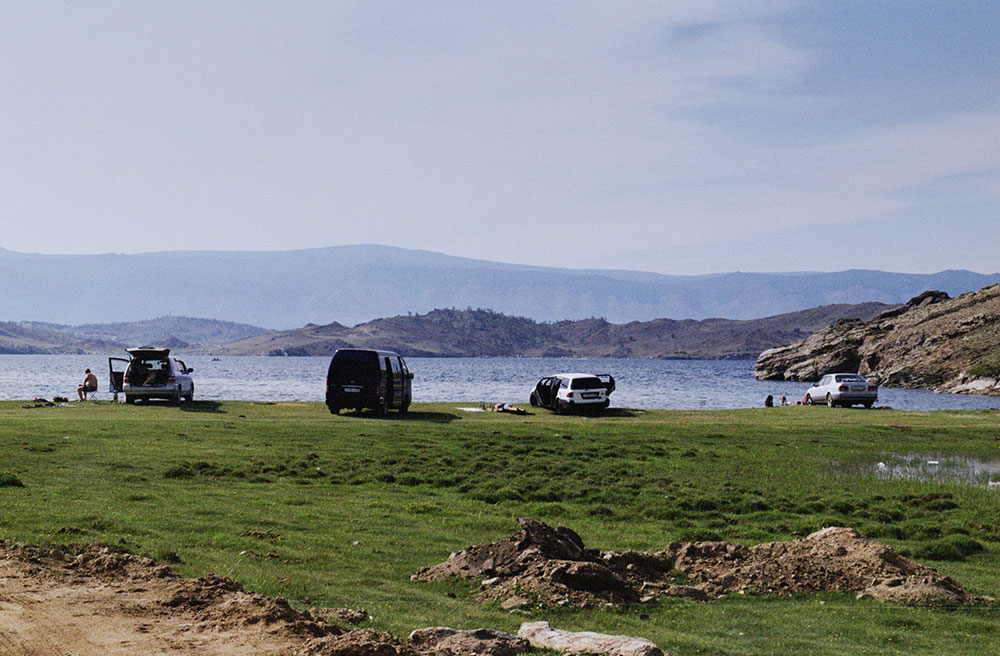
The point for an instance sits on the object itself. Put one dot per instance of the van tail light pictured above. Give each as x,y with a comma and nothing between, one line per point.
569,395
125,380
171,380
842,388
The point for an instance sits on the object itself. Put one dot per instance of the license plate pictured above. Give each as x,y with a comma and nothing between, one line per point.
591,395
351,389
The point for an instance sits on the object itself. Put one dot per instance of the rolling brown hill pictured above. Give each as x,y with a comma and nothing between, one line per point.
180,333
936,342
483,333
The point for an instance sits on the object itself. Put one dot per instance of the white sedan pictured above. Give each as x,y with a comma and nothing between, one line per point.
842,389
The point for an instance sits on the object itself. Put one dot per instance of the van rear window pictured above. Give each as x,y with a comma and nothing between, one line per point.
352,355
356,365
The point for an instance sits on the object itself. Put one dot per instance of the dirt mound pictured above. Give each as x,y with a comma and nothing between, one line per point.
551,564
540,563
363,642
433,641
444,641
346,615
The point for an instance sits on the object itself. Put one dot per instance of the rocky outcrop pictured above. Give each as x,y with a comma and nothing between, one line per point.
933,342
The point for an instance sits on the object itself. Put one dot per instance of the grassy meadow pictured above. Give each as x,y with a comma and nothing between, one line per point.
340,510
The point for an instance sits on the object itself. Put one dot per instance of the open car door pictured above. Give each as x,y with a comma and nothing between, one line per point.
116,375
608,380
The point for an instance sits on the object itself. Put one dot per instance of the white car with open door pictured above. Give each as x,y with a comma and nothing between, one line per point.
151,373
573,392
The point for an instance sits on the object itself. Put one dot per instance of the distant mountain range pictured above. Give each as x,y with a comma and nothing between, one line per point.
354,284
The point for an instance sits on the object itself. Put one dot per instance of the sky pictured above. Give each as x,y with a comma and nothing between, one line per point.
676,137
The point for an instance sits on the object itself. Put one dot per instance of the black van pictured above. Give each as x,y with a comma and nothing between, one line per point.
361,378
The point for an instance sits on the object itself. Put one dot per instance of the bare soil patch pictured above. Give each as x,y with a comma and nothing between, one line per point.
97,599
94,599
540,563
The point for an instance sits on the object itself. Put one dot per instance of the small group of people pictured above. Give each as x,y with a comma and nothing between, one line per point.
769,401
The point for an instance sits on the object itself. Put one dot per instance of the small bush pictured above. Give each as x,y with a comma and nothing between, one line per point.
939,505
917,530
985,370
702,534
845,507
886,515
752,503
967,545
10,480
705,504
952,547
543,494
179,471
662,513
883,531
508,493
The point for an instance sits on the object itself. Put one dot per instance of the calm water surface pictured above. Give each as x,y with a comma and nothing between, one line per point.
652,384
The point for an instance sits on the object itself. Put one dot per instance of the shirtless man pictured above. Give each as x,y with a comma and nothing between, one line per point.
89,385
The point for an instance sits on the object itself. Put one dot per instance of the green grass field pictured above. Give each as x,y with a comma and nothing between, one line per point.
340,510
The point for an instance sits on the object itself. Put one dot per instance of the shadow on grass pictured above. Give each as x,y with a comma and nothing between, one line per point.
201,406
610,412
619,412
439,417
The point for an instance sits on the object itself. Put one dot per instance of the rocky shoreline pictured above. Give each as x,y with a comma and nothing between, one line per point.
933,342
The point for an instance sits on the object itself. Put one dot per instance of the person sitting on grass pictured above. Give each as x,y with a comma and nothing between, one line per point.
89,385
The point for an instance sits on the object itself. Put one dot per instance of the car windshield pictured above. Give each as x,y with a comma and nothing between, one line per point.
851,378
590,382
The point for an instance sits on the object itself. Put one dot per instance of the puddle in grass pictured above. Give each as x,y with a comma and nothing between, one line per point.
952,469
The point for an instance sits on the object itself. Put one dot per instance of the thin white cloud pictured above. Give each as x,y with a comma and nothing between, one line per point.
535,132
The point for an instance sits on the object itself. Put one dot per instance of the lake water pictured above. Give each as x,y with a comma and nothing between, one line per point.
651,384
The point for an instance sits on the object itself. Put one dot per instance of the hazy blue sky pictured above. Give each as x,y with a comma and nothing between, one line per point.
679,137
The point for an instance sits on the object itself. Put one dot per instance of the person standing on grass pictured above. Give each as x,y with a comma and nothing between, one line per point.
89,385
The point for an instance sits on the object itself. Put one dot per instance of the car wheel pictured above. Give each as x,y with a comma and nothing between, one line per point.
829,400
382,409
533,400
177,395
190,395
809,400
334,410
403,409
868,404
129,399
